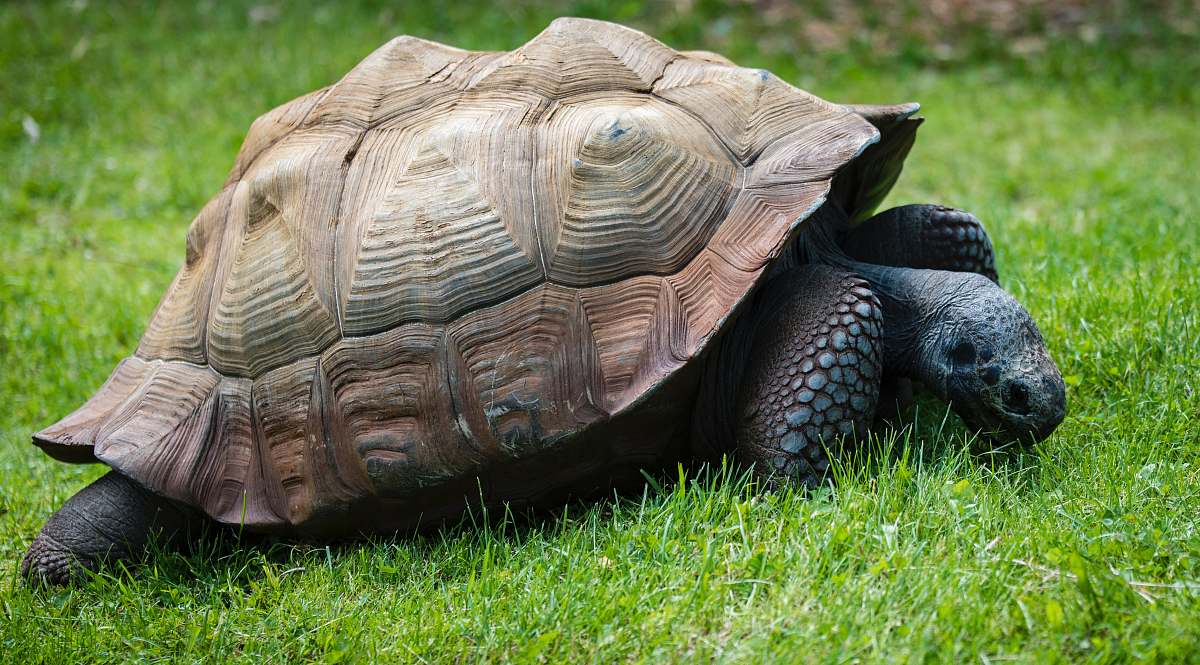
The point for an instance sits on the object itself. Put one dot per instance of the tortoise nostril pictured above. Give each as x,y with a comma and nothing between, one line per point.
990,375
1016,398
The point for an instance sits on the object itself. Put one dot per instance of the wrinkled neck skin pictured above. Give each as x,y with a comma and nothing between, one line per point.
915,304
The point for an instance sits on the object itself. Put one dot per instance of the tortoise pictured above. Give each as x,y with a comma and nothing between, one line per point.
513,277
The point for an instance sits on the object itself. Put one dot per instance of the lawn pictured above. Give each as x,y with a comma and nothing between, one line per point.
117,122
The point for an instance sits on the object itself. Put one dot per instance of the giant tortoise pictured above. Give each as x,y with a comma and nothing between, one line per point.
459,276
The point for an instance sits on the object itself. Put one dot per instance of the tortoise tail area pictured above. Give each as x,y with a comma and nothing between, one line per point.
181,430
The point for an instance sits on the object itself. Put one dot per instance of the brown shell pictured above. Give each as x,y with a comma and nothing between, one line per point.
450,263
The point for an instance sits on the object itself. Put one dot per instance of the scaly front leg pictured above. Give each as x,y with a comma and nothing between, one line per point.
812,379
924,236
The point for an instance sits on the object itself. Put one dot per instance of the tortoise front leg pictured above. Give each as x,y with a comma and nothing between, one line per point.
110,520
924,236
812,380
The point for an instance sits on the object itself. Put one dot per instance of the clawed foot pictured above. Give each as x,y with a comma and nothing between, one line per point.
111,520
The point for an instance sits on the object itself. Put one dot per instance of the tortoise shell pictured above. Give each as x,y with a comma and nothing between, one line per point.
454,271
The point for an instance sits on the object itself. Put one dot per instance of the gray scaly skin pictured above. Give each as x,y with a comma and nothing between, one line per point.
973,345
923,236
111,520
958,333
812,380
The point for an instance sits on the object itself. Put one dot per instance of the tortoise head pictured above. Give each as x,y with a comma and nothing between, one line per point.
982,352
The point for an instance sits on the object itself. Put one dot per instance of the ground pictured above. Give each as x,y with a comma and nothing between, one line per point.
1077,146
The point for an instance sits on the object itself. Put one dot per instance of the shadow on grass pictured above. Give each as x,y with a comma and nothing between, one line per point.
928,442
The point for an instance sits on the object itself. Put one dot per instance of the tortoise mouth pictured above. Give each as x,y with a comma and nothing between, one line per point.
1012,414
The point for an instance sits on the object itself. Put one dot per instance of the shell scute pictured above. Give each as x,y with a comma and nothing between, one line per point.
574,56
532,367
390,81
267,312
433,248
75,434
157,433
309,473
269,128
707,290
620,317
229,482
177,330
397,408
623,174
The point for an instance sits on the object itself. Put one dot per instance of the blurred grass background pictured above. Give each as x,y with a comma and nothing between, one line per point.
1070,128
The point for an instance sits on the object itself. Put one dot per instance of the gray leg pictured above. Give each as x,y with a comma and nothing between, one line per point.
924,236
112,519
812,380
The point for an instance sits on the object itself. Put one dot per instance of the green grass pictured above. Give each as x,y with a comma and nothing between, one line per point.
1083,162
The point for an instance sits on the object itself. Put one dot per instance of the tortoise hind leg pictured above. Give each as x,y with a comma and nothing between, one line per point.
924,236
113,519
812,381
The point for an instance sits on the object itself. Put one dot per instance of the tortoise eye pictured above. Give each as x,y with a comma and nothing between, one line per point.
963,353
